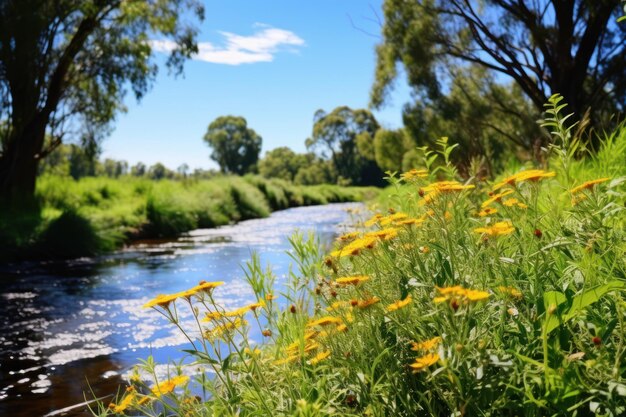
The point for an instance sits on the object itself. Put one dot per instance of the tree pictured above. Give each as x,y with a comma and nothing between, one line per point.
65,66
336,136
390,147
159,171
573,47
138,170
489,120
283,163
235,147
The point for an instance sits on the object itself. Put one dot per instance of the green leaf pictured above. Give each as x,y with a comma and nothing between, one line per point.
577,304
201,355
591,296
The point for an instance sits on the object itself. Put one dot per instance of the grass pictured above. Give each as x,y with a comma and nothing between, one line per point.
97,214
454,299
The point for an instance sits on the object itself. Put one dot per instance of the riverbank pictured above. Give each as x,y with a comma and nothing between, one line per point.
95,215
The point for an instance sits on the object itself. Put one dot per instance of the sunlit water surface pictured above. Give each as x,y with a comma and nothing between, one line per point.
70,331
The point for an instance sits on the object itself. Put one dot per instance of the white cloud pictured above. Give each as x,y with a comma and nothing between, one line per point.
237,49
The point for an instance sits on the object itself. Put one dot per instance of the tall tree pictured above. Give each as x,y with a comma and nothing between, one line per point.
65,66
345,136
235,147
573,47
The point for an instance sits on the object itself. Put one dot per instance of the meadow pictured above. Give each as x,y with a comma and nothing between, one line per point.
98,214
455,298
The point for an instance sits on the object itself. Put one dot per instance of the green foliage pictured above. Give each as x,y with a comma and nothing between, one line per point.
284,163
390,147
433,36
234,147
336,136
101,213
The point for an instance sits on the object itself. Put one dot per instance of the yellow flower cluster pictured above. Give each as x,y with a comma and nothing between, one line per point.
431,191
424,362
427,345
399,304
413,174
164,300
498,229
132,399
355,247
458,294
353,280
588,185
513,292
169,385
528,175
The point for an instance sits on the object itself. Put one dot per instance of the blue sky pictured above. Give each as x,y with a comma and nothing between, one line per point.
273,62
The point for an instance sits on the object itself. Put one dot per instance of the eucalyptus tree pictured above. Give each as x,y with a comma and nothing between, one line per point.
573,47
235,147
65,67
345,137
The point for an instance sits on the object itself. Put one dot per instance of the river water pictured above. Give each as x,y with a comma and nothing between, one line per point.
70,331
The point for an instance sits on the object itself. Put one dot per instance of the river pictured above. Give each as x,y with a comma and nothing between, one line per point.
71,330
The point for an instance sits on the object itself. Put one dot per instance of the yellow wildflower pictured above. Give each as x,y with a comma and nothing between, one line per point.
161,300
252,352
126,402
337,305
446,186
514,292
212,316
495,197
487,212
410,222
324,321
458,293
353,280
414,173
342,328
203,286
426,345
256,305
424,362
373,220
384,234
498,229
320,357
587,185
348,236
241,311
270,297
355,247
169,385
393,218
399,304
528,175
368,302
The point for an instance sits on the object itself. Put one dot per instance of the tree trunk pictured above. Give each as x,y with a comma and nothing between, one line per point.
19,163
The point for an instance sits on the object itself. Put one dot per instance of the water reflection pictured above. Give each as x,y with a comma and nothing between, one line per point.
63,323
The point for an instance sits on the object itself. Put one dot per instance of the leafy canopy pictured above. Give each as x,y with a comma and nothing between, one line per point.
235,147
572,47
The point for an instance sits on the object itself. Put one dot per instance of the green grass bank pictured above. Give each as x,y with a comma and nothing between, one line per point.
98,214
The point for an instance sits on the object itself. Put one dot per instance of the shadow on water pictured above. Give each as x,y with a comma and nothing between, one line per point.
70,327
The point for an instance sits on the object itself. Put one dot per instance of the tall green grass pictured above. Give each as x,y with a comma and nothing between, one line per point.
96,214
